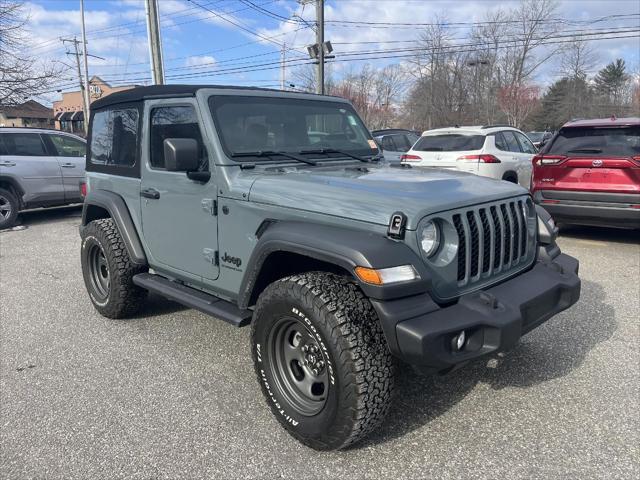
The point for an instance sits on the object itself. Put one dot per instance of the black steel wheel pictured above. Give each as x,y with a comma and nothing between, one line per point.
321,359
98,271
299,366
108,270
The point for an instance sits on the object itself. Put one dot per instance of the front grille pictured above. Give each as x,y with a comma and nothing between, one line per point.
492,239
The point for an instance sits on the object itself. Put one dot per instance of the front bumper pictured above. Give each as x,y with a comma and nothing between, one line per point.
420,332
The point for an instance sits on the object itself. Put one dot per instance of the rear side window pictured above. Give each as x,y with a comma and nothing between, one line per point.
449,143
525,143
114,137
615,142
402,143
22,145
387,144
512,141
67,146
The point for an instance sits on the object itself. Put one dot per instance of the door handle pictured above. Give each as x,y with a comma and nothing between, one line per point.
68,165
150,193
7,164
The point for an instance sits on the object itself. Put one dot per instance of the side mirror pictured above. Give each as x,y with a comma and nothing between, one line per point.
180,154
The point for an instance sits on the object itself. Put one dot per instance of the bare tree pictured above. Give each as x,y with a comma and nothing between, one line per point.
577,58
21,76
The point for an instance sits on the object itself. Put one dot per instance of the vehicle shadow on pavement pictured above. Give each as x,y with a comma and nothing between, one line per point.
35,217
602,234
551,351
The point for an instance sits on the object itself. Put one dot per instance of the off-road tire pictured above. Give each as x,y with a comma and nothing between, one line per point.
357,356
13,204
121,298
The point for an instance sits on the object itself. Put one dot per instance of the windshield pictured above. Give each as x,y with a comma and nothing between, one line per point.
276,124
590,141
449,143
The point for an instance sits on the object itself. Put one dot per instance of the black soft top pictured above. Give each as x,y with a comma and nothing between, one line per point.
137,94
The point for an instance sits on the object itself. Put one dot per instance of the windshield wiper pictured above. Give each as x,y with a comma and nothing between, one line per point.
339,152
586,150
431,149
271,153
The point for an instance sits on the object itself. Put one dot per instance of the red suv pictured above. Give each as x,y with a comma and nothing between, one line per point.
589,173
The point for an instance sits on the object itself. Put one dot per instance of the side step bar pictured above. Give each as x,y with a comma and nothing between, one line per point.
192,298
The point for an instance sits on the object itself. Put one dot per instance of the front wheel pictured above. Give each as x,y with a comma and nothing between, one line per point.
321,359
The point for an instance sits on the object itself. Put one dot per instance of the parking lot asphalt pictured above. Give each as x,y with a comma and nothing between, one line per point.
172,394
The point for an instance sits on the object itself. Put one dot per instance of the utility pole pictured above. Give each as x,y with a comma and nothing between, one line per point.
155,42
283,54
87,101
320,42
85,105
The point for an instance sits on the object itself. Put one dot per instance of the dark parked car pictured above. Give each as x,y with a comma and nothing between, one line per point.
589,173
539,139
394,142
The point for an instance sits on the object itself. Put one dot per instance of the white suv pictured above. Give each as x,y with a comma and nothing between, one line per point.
495,151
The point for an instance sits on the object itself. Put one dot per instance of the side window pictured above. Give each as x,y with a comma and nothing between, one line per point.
402,144
114,137
501,143
67,146
525,143
512,141
23,145
175,122
387,143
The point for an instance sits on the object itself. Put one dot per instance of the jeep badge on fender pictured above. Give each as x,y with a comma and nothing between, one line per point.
337,268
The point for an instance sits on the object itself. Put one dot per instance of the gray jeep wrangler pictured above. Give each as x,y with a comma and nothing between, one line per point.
272,209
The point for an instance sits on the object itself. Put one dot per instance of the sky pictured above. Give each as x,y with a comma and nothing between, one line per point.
240,42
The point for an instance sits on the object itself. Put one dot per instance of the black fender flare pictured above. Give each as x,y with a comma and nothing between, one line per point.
117,209
343,247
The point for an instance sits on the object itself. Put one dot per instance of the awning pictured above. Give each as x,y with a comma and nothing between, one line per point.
58,115
77,116
66,116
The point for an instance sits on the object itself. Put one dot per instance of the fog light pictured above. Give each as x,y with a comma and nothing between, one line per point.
457,343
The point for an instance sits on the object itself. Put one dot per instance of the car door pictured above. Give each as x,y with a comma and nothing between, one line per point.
71,153
29,161
514,159
526,157
178,214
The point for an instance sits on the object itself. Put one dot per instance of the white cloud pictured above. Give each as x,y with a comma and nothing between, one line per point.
200,61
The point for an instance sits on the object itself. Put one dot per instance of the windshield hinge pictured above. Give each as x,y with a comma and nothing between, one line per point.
210,205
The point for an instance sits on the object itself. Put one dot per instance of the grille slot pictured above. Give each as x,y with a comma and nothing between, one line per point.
492,240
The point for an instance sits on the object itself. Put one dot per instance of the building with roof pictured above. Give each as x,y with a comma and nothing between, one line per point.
27,114
68,112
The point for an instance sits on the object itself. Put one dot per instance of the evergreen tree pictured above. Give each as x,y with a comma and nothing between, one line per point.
611,82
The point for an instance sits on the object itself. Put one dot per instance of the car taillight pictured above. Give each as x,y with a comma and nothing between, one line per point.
83,189
410,158
548,159
485,158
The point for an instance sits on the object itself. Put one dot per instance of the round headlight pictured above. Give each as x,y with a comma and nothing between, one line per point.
429,238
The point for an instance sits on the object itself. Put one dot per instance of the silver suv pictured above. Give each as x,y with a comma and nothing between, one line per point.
38,168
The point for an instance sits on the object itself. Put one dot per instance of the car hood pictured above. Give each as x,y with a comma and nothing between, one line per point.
373,193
